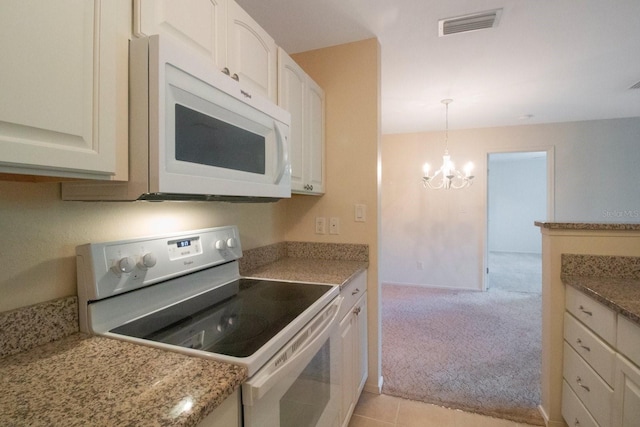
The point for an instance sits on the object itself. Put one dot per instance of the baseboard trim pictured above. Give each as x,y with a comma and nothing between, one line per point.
547,421
374,388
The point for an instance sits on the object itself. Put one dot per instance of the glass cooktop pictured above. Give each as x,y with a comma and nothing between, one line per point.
236,319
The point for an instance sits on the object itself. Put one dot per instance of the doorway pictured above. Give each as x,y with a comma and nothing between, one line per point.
518,189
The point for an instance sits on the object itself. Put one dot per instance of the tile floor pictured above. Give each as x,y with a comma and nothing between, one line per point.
375,410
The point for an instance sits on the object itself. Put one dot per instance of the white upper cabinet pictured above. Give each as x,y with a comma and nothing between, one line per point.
219,30
199,24
64,88
304,99
251,53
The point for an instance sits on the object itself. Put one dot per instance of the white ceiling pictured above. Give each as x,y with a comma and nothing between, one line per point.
548,60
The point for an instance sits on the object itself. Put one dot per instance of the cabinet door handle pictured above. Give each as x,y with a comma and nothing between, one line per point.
356,311
579,382
235,77
582,309
576,422
355,292
579,342
225,70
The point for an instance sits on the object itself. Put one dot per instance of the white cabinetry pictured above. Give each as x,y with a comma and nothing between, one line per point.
225,415
219,30
64,88
304,99
589,358
353,335
601,384
626,401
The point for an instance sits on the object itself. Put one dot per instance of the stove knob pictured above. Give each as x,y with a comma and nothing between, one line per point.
147,261
231,242
124,265
221,244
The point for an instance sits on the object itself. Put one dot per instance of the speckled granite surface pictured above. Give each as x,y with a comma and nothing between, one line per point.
621,267
331,263
612,280
309,270
28,327
586,226
81,381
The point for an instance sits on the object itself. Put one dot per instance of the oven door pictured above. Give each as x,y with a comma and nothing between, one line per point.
300,385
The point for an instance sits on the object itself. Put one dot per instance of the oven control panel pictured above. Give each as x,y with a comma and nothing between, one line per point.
110,268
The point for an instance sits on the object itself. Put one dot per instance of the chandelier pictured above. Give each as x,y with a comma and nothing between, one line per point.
447,176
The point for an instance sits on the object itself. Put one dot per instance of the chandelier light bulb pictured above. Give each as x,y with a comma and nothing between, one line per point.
425,169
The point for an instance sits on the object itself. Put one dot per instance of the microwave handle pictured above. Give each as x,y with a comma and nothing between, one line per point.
262,382
283,152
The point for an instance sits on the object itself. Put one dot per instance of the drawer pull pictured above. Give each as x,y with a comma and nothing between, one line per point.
588,313
576,422
579,381
355,292
356,311
579,342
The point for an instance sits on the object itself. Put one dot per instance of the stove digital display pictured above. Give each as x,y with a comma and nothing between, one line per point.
184,247
183,243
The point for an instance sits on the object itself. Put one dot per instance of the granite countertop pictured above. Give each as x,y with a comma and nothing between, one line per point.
333,272
82,380
587,226
621,295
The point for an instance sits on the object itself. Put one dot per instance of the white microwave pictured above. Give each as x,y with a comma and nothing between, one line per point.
194,134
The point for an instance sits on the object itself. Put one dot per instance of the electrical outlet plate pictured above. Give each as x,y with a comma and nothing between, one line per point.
334,225
321,225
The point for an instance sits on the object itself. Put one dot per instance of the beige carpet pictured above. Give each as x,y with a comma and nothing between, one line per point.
476,351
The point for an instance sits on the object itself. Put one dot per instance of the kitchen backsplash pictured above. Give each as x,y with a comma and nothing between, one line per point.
618,267
28,327
255,258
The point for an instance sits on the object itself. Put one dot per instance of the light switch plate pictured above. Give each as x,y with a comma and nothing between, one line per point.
321,225
360,213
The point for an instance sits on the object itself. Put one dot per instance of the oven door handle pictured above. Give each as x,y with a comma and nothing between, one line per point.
265,379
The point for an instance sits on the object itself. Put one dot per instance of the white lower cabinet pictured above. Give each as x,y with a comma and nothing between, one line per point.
225,415
64,86
601,384
626,401
353,339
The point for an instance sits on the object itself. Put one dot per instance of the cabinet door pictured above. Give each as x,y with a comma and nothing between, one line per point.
363,354
626,406
315,136
251,53
64,95
347,339
291,97
198,24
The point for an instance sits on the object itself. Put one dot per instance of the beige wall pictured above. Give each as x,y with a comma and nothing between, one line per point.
594,178
350,77
40,233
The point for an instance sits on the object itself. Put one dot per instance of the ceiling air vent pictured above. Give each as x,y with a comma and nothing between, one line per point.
473,22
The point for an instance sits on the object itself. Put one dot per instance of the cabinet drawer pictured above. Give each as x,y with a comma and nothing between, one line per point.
629,339
352,291
573,411
597,317
592,391
596,352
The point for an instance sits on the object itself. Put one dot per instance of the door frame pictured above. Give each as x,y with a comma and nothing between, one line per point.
550,150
